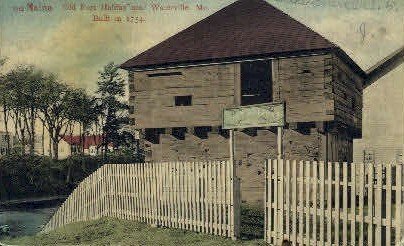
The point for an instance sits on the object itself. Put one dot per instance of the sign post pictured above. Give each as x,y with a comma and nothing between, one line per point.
231,144
279,142
260,115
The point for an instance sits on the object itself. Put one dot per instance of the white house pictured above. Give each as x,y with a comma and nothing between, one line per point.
383,118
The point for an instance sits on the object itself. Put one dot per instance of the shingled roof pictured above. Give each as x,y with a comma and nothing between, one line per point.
245,28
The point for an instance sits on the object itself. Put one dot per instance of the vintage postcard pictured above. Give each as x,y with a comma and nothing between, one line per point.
190,122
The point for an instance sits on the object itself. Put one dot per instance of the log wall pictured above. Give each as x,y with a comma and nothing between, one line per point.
250,154
212,89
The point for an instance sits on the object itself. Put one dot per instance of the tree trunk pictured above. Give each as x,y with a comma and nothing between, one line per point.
32,119
82,136
27,128
55,149
69,170
50,132
5,117
43,139
95,135
22,134
71,137
81,140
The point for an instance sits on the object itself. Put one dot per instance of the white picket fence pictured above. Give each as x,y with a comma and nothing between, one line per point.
317,203
197,196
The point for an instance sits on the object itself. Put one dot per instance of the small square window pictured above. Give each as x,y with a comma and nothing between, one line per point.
179,132
183,100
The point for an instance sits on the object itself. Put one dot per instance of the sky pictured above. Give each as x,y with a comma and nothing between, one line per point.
72,45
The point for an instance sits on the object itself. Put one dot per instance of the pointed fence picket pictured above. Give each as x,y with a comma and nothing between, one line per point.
318,203
197,196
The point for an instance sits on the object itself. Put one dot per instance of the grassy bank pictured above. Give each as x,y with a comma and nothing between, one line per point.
108,231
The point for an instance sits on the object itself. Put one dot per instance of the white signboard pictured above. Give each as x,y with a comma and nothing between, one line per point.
261,115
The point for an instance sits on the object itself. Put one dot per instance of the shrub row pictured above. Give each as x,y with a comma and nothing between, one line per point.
27,176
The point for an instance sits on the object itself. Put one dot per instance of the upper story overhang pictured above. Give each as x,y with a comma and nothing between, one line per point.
228,60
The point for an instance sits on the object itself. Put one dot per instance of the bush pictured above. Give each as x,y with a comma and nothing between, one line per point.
23,176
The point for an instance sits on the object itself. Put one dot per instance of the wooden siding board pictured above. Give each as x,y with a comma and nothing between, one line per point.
304,93
212,88
347,86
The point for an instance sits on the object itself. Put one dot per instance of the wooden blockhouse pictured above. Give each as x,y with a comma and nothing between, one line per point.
246,53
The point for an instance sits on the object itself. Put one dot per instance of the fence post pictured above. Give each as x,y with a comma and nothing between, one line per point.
268,200
235,201
399,205
378,204
237,210
370,203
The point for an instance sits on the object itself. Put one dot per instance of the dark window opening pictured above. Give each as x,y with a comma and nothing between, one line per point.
179,132
202,131
224,132
306,71
250,131
164,74
256,82
305,127
153,134
183,100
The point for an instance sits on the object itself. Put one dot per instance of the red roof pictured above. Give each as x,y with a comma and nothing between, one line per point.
243,29
94,140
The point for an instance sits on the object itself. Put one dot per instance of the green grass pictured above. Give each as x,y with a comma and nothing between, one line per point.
107,231
252,222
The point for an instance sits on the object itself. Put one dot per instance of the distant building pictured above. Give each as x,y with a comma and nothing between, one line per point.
3,142
383,121
89,145
39,145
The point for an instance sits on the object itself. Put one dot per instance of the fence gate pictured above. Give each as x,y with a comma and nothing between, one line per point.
317,203
197,196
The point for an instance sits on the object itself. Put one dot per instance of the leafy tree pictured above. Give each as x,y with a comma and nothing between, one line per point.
56,108
5,102
30,92
23,85
86,111
111,90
